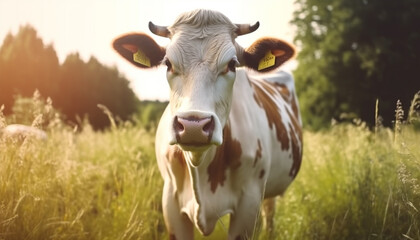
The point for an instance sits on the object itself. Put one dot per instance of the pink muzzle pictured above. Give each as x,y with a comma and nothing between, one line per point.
193,131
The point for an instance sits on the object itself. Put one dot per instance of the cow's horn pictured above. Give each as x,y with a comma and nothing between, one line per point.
159,30
246,28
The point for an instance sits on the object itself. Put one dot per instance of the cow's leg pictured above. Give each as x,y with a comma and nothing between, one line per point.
268,210
178,224
243,221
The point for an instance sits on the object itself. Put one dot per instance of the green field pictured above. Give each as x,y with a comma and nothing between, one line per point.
82,184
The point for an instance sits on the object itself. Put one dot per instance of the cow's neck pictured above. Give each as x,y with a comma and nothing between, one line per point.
196,173
214,163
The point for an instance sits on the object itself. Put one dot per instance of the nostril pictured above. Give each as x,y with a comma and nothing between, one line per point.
178,126
209,127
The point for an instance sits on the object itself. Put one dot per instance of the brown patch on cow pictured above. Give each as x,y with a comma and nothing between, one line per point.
297,138
175,154
297,156
269,87
294,106
289,98
227,156
265,100
258,154
279,88
262,173
296,125
272,111
172,237
283,90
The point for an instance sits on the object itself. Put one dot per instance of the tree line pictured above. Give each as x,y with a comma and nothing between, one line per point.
76,87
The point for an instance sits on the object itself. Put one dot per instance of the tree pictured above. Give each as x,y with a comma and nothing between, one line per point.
75,87
26,64
85,85
353,52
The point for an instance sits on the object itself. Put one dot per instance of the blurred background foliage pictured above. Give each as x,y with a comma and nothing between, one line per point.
75,87
353,52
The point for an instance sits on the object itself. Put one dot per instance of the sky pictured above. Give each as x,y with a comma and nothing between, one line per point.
89,27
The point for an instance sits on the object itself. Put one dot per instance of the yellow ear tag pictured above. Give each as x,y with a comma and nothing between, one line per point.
141,58
267,61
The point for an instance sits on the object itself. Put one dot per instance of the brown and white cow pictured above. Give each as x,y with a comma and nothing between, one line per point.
226,140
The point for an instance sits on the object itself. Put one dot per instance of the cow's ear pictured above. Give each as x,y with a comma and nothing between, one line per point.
267,54
139,49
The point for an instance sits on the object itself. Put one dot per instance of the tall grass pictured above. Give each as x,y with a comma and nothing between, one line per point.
354,185
82,184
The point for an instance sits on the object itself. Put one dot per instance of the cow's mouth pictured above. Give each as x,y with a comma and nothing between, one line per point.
195,147
194,153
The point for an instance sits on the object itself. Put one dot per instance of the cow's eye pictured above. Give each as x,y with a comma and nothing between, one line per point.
231,66
169,65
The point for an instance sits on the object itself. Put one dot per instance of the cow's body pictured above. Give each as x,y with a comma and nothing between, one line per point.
226,140
252,163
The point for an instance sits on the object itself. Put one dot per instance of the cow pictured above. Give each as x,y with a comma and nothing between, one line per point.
229,137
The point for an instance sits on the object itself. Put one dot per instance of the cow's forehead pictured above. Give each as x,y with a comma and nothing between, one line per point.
214,50
201,36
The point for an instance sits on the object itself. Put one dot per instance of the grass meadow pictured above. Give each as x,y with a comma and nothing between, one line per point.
83,184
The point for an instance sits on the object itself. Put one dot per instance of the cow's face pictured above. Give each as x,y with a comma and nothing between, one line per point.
200,73
201,61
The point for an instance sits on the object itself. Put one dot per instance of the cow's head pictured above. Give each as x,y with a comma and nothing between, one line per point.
201,60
